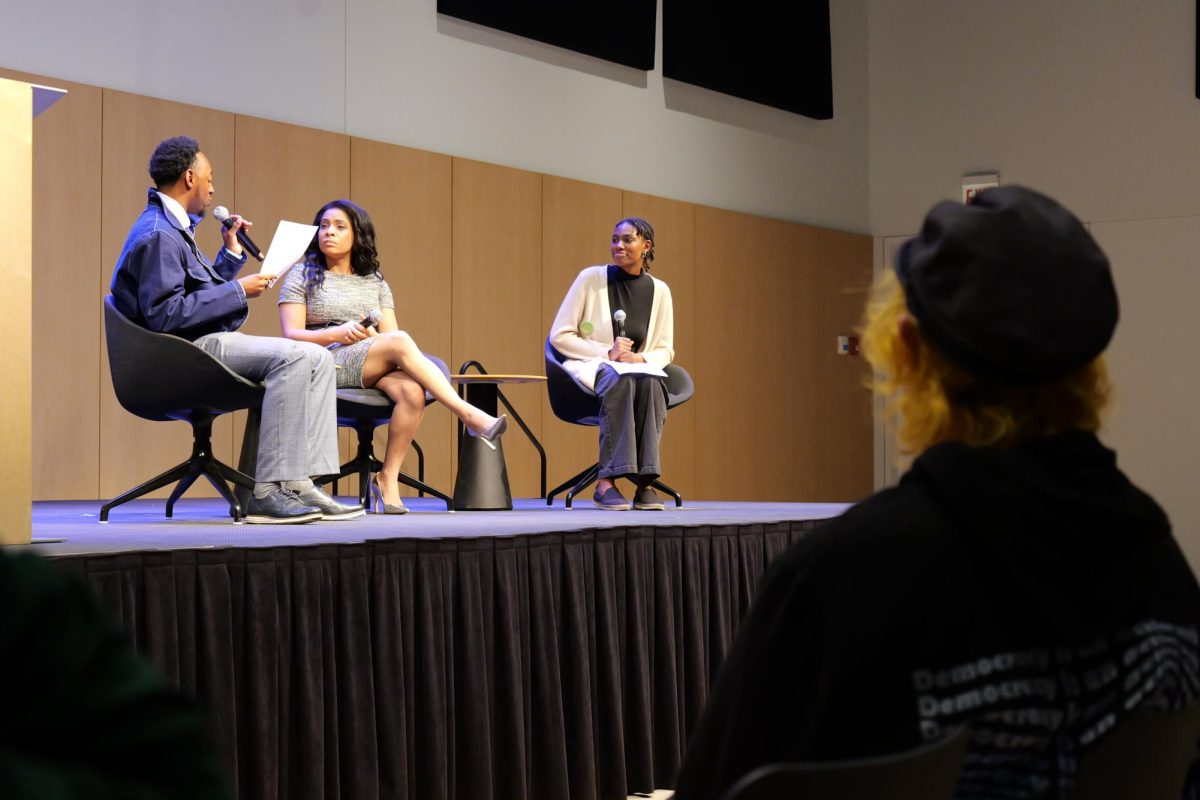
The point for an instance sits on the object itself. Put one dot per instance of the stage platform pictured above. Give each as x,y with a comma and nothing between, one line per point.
71,528
540,653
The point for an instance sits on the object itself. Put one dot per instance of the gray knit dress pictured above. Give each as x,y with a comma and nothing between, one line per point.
340,299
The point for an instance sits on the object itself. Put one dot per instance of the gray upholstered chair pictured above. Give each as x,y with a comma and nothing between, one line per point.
162,377
365,410
571,403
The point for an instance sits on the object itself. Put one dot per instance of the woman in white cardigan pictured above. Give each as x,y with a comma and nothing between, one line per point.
594,337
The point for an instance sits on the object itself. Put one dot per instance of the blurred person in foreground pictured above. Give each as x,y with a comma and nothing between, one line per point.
82,716
1015,581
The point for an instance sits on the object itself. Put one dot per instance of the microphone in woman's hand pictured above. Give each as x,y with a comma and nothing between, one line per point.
370,319
619,316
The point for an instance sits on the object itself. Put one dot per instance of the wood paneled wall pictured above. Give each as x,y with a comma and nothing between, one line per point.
133,450
407,194
479,257
16,303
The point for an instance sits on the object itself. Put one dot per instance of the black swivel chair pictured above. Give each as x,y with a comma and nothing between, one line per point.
162,377
577,406
365,410
929,772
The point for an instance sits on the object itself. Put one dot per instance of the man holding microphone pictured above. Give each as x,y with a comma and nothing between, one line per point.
164,283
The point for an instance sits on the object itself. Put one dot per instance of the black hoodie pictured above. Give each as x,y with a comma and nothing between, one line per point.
1033,593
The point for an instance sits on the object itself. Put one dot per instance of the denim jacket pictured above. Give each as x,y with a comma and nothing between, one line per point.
163,282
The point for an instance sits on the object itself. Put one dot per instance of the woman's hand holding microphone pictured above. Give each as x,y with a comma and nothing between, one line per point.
349,333
622,347
353,331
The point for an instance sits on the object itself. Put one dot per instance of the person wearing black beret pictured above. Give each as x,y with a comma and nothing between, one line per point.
1015,581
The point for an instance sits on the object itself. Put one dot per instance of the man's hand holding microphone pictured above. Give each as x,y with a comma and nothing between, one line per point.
234,230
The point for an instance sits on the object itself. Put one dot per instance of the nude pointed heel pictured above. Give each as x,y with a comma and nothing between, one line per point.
493,433
379,506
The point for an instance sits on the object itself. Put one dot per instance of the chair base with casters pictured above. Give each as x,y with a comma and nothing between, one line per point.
364,464
202,462
162,378
364,410
571,403
586,478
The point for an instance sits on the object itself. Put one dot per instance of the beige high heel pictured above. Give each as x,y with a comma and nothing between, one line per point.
377,503
493,433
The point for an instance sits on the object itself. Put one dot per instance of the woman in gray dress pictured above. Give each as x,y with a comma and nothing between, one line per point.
338,299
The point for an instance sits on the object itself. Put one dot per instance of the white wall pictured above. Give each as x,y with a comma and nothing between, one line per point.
394,71
1094,104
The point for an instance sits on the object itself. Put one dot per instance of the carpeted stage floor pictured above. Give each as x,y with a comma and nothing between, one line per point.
71,528
539,653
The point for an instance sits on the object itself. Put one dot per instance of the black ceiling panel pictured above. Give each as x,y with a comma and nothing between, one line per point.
773,53
621,31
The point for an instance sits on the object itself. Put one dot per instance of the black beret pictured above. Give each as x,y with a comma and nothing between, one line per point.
1010,287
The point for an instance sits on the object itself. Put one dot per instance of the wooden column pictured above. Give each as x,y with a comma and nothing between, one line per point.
16,269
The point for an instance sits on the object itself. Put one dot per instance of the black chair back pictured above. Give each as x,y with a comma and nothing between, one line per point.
1145,757
162,377
929,772
569,402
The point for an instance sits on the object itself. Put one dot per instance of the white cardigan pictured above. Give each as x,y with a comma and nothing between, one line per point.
582,330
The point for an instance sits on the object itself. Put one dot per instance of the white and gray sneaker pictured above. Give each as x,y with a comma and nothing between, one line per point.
280,507
330,508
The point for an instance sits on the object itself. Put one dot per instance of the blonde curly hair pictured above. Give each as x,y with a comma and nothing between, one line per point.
928,400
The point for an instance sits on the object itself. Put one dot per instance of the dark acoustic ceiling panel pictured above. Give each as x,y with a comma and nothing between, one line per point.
621,31
777,54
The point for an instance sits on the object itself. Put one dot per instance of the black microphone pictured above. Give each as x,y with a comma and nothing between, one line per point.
619,316
221,215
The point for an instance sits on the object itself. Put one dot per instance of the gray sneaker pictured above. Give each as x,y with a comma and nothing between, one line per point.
646,499
280,507
610,500
330,508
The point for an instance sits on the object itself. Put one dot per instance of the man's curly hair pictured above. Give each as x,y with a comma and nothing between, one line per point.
172,158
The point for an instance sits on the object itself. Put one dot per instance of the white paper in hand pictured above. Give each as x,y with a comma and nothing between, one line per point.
287,248
623,368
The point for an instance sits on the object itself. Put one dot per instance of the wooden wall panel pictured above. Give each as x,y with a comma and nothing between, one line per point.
16,307
280,172
66,352
497,275
133,450
407,194
794,423
843,431
479,257
675,263
577,222
750,276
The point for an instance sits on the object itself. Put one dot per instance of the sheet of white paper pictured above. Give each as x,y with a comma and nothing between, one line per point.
287,248
642,369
